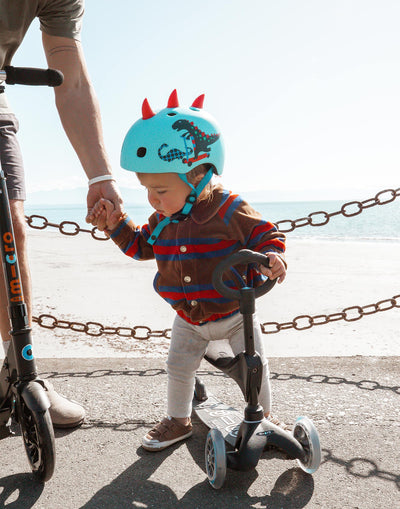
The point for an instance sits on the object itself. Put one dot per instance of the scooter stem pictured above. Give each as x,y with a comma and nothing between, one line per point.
247,309
17,309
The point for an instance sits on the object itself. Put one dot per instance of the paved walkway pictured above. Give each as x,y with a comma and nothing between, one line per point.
354,402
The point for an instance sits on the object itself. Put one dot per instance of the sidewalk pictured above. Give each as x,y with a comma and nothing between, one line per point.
354,402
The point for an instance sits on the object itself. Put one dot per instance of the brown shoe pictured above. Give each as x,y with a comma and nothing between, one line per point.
277,422
166,433
64,413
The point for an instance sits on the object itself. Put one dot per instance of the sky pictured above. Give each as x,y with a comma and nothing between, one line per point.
306,91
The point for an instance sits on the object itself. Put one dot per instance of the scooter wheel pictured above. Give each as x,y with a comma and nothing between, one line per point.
215,457
38,436
306,434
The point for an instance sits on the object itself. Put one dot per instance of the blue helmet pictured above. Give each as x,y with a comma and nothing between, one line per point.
175,139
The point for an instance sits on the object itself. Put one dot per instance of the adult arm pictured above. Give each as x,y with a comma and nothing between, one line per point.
79,112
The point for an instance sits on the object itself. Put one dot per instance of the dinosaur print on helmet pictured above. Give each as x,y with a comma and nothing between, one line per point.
199,139
173,140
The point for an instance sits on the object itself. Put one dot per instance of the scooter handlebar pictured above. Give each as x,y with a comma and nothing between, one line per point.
31,76
244,256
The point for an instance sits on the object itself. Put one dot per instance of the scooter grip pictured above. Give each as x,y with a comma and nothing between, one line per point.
244,256
33,76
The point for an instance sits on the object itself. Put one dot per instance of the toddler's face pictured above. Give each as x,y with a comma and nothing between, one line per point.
166,192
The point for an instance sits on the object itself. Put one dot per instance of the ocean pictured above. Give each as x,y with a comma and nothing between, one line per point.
380,222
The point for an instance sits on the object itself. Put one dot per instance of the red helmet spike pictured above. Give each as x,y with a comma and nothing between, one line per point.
173,100
147,112
198,103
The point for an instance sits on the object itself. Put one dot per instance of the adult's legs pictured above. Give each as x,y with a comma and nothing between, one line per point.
64,413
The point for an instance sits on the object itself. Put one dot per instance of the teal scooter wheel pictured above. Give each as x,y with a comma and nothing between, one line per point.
306,434
215,457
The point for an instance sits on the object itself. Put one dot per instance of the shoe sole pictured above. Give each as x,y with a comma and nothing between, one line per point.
164,445
69,426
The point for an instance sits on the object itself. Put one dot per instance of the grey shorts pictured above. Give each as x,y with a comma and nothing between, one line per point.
11,157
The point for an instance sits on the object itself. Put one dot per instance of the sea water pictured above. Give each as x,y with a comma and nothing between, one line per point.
380,222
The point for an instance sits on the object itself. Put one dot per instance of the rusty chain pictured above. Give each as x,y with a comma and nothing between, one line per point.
299,323
142,332
95,329
349,209
63,227
349,314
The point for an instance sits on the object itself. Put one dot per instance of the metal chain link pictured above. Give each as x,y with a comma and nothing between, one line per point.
349,314
349,209
95,329
42,222
319,218
142,332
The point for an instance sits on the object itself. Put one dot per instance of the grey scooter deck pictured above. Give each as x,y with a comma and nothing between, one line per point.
215,414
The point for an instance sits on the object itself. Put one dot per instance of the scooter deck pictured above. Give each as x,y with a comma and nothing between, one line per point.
215,414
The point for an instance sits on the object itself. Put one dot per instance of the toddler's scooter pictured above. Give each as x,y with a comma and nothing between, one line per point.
247,437
22,395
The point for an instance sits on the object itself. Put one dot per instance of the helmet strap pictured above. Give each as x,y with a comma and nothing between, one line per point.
186,209
196,191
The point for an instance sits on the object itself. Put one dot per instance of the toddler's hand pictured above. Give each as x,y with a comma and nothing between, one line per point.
103,211
277,268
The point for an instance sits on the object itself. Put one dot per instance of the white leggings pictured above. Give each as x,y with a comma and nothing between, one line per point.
188,345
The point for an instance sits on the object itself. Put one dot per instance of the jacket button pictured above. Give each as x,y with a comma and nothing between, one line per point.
187,279
183,249
193,303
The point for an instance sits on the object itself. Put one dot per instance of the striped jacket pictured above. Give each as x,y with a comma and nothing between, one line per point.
187,252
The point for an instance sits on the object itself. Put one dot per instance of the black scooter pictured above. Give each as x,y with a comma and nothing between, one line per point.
22,395
247,437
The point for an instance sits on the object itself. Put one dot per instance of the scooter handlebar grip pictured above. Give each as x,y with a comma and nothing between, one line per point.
244,256
33,76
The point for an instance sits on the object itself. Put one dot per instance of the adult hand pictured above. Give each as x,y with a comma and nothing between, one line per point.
106,189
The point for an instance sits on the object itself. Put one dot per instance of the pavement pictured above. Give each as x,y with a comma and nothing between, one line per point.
353,401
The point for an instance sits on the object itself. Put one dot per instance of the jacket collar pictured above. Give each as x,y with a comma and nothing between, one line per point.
206,209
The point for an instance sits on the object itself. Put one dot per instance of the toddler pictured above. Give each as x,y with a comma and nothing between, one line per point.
196,223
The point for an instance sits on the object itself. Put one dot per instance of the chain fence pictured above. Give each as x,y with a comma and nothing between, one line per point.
299,323
319,218
142,332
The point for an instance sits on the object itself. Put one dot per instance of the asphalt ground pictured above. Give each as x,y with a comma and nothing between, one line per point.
353,401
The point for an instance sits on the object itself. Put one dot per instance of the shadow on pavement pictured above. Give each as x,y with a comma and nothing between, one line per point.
19,491
316,378
133,488
363,468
